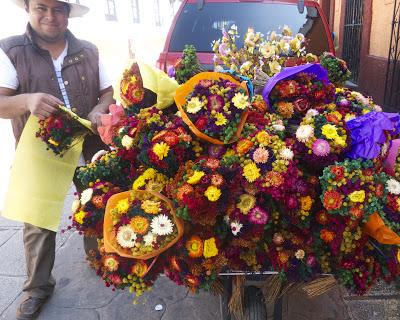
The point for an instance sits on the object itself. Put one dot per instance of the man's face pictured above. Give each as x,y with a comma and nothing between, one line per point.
48,18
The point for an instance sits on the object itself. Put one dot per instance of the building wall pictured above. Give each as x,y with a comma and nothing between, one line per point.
382,11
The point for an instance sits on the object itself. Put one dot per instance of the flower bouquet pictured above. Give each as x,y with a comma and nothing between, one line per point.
337,68
214,106
61,130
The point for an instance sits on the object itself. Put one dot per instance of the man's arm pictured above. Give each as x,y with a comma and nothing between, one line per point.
105,99
41,105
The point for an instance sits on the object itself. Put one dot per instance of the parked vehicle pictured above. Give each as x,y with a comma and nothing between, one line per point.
199,22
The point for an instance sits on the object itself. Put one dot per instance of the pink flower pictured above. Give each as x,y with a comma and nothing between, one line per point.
215,102
321,148
258,216
261,155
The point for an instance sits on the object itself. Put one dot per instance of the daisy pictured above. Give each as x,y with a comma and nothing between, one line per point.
149,239
240,101
304,133
127,142
286,154
194,105
86,195
126,238
236,227
393,186
161,225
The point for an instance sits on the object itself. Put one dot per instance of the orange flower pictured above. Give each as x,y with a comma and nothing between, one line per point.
338,171
356,212
322,217
285,109
379,189
192,281
98,202
217,180
212,163
111,263
283,257
139,225
243,146
332,200
273,179
195,247
175,264
327,236
184,190
140,269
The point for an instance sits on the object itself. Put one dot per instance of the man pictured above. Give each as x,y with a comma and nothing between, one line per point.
44,68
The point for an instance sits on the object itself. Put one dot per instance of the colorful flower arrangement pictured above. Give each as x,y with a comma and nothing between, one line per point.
337,68
60,131
286,181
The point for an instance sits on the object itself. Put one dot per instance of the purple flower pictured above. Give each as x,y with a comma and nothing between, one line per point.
216,151
215,102
258,216
171,71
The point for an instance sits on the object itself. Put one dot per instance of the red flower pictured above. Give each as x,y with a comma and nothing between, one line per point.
327,236
332,200
338,171
201,123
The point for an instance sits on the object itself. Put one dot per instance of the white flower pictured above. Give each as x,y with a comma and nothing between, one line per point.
385,149
278,127
236,226
86,195
393,186
149,239
226,219
127,142
311,113
240,101
126,237
98,155
304,132
286,153
161,225
300,254
75,205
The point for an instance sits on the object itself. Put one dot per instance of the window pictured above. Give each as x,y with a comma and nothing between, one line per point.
111,14
135,11
157,15
352,36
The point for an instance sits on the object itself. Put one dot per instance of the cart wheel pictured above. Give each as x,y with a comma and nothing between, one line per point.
254,304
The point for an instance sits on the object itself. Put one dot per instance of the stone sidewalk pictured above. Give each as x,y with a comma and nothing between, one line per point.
80,294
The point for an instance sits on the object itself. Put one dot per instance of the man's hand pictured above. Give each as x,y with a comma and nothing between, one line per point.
42,105
95,118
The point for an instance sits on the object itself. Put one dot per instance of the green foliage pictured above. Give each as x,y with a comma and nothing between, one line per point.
188,66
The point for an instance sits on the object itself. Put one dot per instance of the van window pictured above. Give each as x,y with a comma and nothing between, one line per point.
201,27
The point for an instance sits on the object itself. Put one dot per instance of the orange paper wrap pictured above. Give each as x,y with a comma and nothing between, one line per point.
185,89
376,228
110,244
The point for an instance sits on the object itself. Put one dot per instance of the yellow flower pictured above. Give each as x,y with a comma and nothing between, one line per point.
365,111
295,44
251,172
337,114
398,255
210,248
341,142
306,203
286,31
53,142
150,206
275,67
161,150
195,177
247,202
240,101
357,196
263,138
122,205
127,142
329,131
220,119
194,105
111,263
267,50
138,183
212,193
349,117
79,216
149,174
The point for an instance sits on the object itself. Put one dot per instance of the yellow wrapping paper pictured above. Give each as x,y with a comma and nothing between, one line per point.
39,180
376,228
155,80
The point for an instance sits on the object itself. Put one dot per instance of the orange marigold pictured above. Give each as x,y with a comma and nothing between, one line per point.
332,200
243,146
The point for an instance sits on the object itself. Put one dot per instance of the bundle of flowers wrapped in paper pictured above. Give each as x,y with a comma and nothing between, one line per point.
60,131
293,180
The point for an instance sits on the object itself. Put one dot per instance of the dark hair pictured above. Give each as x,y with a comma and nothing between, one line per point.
65,4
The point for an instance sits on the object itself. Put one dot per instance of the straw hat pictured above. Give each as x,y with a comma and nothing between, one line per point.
77,10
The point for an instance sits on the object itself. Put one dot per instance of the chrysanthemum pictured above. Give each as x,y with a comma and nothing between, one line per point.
327,235
86,195
139,224
261,155
149,239
151,206
273,179
161,225
306,203
236,226
258,216
210,248
357,196
285,109
286,154
79,216
300,254
278,127
122,205
243,146
127,142
217,180
246,203
321,148
329,131
263,138
220,119
111,263
332,200
251,172
161,150
194,246
195,177
212,193
194,105
183,190
139,269
393,186
304,133
311,113
126,237
240,101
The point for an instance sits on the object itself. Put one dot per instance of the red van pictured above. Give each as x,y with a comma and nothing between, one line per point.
199,22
